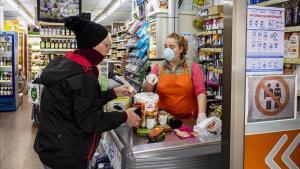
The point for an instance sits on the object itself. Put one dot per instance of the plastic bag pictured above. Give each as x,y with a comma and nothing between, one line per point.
209,127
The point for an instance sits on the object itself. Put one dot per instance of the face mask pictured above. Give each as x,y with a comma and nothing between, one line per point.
169,54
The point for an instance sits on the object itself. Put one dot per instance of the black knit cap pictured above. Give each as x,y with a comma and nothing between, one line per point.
88,34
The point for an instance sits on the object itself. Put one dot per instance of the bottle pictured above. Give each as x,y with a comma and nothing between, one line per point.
43,44
48,44
60,45
67,32
42,30
63,31
72,45
52,44
1,61
64,44
296,12
72,33
56,44
288,15
68,44
58,31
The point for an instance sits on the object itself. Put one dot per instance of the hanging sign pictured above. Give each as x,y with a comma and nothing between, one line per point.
270,98
265,40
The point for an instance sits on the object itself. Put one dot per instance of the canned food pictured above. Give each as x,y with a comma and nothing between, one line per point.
151,123
162,118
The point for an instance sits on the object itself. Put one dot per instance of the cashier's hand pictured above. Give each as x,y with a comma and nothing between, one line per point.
201,117
124,90
133,120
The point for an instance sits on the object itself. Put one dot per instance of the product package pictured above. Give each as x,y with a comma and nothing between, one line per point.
142,30
184,132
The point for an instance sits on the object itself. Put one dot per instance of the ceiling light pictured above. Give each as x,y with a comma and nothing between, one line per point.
21,11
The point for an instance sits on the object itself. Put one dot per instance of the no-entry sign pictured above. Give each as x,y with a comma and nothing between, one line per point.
270,98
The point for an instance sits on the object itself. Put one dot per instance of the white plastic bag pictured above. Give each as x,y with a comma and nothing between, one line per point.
209,127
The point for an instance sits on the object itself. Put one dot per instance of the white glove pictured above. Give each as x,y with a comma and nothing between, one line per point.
201,117
152,79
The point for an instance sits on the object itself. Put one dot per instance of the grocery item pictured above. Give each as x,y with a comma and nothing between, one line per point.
142,132
294,46
156,135
162,117
149,105
184,132
151,122
165,127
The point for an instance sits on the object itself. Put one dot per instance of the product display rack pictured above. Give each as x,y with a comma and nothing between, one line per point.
52,40
210,49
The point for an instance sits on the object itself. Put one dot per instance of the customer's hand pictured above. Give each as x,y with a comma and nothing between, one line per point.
124,90
201,117
133,120
152,79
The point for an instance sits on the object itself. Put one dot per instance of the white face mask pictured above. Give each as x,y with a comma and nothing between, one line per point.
169,54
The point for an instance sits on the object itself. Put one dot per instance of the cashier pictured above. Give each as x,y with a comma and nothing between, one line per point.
178,81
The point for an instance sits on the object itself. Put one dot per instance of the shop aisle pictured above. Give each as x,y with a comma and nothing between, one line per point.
16,139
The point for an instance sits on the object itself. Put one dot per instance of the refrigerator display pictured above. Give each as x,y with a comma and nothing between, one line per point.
8,71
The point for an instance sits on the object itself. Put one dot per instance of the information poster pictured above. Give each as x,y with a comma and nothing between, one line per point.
265,40
270,98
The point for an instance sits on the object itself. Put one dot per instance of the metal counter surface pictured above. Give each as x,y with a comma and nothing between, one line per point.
174,152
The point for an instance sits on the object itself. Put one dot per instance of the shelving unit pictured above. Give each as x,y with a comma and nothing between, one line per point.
210,49
270,2
57,36
292,29
292,60
56,50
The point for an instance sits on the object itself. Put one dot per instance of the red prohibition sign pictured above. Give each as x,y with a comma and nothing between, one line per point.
261,86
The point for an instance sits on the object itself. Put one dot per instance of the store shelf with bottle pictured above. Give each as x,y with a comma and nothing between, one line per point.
210,24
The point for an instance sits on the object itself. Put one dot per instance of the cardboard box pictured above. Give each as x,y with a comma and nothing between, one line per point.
216,9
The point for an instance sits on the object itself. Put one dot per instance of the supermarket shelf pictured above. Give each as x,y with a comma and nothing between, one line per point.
5,66
292,29
50,24
55,50
121,49
5,53
118,41
34,36
213,32
292,60
116,33
5,81
270,2
217,50
58,36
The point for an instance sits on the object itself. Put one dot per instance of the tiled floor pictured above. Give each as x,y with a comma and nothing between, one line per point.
17,136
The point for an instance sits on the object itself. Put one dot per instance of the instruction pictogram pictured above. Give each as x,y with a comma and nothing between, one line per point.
272,94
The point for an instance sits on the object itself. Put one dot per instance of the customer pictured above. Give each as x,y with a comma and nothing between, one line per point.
180,82
71,115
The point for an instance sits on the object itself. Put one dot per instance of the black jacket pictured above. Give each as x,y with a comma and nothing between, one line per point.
71,115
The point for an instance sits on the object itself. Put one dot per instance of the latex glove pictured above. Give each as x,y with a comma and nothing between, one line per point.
152,79
133,120
201,117
124,90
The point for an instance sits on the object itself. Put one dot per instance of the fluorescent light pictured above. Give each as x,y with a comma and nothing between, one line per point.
101,18
13,4
21,11
113,8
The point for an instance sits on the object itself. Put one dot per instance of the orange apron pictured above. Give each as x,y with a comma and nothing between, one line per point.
176,94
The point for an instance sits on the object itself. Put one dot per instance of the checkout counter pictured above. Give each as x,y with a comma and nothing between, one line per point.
128,151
